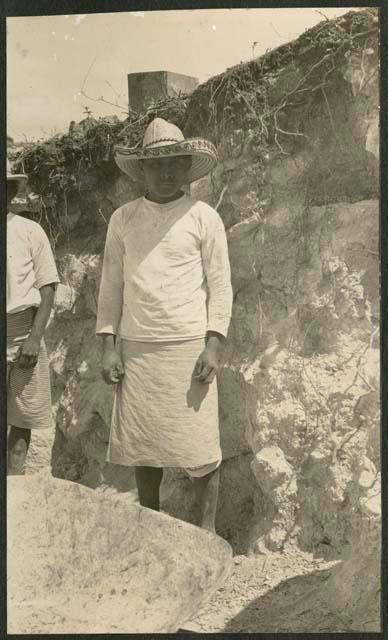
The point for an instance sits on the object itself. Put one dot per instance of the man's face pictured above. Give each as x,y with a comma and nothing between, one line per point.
12,189
165,176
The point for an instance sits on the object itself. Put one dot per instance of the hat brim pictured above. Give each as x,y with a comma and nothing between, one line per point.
202,152
19,177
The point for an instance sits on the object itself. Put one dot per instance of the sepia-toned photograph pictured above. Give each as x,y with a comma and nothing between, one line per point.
193,321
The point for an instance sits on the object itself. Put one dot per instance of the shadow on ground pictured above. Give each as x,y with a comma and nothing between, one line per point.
294,606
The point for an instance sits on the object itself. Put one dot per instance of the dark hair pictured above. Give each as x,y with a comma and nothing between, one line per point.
12,189
25,213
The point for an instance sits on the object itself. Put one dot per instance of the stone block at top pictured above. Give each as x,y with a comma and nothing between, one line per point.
148,87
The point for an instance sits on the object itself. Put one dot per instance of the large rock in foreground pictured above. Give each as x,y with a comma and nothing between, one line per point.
82,563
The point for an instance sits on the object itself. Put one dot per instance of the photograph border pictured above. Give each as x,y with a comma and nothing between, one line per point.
13,8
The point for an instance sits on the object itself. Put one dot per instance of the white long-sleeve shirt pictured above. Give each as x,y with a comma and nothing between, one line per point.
166,273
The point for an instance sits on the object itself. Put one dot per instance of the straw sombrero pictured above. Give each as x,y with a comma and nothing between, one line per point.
163,139
19,177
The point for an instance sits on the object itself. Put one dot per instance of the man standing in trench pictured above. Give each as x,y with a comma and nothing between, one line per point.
166,293
31,281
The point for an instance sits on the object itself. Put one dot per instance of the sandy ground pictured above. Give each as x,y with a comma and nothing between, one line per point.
265,594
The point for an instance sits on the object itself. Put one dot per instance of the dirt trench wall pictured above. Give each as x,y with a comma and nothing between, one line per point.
297,188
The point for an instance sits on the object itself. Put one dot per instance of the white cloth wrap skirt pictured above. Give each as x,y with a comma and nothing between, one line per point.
163,416
28,390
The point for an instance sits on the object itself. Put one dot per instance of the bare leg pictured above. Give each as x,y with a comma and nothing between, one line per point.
18,443
148,480
206,495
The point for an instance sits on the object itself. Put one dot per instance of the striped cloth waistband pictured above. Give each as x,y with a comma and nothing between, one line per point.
19,324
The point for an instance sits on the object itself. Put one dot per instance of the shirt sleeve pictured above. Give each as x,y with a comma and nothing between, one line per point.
110,298
45,269
215,258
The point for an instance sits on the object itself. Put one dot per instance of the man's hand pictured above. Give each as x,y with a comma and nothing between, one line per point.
208,362
27,356
206,366
112,366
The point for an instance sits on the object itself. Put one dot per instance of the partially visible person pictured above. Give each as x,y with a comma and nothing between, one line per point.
31,282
